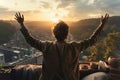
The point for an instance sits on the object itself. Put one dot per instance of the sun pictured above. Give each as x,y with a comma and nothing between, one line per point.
55,20
56,15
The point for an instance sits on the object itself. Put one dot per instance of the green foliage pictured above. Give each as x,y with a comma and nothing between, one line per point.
96,52
108,43
109,46
1,66
112,42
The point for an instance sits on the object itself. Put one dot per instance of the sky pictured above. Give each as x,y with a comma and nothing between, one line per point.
52,10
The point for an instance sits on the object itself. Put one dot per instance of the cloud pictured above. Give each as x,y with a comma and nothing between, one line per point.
31,1
65,3
68,9
3,9
80,9
5,13
110,6
45,5
85,8
15,3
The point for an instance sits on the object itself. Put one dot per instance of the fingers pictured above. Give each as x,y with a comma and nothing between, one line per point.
23,16
106,16
15,18
104,19
101,17
18,15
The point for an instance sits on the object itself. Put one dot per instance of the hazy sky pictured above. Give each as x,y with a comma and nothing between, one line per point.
58,9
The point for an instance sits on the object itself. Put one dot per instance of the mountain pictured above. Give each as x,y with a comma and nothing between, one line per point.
6,31
42,30
84,28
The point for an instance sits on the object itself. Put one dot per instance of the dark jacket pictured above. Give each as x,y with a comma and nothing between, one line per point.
60,62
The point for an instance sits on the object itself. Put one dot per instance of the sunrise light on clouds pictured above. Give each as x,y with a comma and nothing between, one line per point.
52,10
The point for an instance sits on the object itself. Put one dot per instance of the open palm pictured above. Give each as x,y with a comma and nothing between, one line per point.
19,17
104,19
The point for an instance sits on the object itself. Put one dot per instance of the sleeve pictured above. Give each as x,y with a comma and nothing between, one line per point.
38,44
91,40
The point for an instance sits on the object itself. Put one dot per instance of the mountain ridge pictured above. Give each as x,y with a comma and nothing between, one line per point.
80,30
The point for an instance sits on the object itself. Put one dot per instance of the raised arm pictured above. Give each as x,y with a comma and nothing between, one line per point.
97,32
30,40
95,35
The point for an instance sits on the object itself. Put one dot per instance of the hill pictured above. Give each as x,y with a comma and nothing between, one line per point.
80,30
42,30
84,28
6,31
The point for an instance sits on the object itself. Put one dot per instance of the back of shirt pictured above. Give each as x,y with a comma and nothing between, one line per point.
61,60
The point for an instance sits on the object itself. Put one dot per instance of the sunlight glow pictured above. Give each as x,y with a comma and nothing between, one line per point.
55,20
94,15
47,10
56,15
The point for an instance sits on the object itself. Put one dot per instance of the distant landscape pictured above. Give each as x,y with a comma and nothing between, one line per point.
108,44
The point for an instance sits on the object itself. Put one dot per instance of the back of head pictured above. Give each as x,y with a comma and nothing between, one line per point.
61,31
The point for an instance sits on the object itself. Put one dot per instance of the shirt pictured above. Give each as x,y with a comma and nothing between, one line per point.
60,59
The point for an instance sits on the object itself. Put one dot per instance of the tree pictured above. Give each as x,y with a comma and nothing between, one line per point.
112,42
108,47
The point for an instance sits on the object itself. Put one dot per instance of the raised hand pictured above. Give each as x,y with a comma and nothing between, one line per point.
104,19
19,17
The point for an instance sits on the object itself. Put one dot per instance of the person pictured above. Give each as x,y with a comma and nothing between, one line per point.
60,58
113,74
25,72
114,66
97,76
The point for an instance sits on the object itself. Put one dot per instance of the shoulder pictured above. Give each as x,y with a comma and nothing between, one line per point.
46,42
75,42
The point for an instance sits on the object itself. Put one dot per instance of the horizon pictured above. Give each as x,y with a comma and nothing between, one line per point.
62,20
70,10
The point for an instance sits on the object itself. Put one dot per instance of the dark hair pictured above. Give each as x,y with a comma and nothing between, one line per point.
61,31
